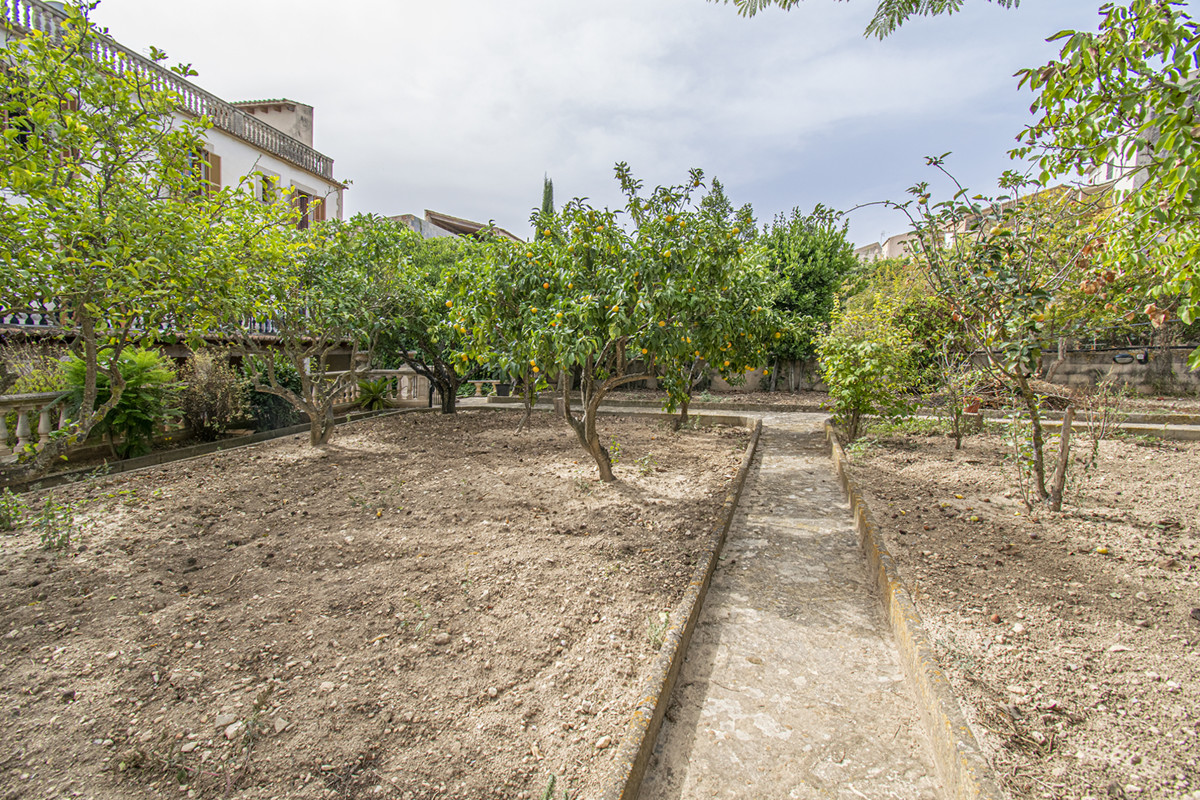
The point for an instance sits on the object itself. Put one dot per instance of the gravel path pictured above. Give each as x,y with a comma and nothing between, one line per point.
792,687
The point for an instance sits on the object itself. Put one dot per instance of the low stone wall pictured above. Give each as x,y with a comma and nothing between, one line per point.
1149,370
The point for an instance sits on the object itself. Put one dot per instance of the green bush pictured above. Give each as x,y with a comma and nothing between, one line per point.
867,363
270,411
212,395
145,403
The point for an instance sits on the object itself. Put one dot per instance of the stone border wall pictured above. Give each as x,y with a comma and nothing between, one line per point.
179,454
637,744
964,772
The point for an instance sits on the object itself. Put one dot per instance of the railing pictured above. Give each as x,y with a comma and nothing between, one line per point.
43,315
34,15
46,407
404,387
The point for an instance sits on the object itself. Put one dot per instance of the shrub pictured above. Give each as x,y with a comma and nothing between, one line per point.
212,396
145,402
866,361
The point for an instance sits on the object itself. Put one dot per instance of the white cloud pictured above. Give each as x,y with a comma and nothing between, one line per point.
462,106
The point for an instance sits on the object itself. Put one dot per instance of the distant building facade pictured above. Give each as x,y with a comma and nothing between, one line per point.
436,225
270,141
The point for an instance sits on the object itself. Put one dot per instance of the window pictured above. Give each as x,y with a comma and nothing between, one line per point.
268,187
310,207
208,169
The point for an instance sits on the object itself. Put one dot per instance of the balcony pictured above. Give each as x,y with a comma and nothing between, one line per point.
35,15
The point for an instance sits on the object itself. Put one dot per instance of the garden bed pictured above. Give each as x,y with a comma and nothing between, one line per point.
430,607
1072,637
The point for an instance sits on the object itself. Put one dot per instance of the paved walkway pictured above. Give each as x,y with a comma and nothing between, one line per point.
792,687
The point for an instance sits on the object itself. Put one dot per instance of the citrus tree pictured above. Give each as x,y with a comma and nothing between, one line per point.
324,291
500,332
422,327
106,229
616,304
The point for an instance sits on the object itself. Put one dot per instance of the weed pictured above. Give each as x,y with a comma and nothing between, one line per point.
860,447
54,523
11,510
921,426
549,793
614,452
422,612
646,464
583,484
656,632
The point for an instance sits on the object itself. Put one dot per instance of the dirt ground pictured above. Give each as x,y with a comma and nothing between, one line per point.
1071,637
430,607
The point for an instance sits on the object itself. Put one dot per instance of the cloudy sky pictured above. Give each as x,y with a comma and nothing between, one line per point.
463,105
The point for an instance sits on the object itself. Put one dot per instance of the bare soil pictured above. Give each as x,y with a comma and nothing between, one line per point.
429,607
1070,637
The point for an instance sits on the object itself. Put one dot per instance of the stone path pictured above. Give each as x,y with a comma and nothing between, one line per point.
792,687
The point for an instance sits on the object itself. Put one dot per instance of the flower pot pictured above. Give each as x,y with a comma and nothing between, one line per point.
503,389
971,405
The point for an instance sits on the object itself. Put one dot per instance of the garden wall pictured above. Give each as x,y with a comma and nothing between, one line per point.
1157,371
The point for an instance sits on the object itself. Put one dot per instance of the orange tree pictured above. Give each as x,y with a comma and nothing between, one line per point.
614,305
423,328
495,319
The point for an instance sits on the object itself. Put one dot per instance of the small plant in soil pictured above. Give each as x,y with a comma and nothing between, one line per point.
550,786
646,464
656,630
11,510
54,523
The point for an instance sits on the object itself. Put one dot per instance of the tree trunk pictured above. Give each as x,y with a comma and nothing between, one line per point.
1064,457
1039,439
449,395
527,402
682,419
320,427
585,431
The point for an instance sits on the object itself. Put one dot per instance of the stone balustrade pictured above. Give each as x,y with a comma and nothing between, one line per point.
47,408
404,387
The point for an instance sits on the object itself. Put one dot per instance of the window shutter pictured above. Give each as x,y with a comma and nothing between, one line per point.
319,211
214,172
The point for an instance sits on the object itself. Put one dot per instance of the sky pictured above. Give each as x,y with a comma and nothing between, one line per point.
462,106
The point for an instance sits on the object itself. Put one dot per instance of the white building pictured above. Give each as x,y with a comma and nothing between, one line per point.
271,140
436,225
